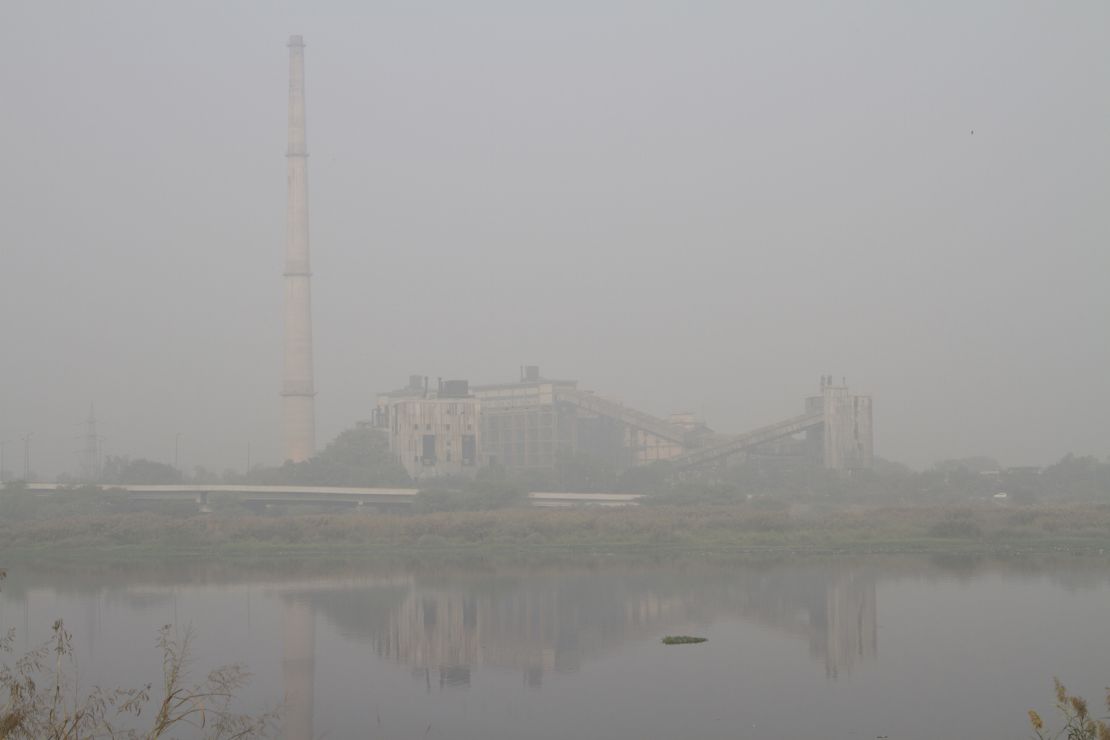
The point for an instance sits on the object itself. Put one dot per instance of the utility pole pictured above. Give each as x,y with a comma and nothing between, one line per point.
248,458
90,454
27,457
176,451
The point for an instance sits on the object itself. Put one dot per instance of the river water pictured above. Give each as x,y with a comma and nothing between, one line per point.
897,646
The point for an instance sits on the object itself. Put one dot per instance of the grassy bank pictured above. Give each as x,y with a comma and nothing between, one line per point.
736,527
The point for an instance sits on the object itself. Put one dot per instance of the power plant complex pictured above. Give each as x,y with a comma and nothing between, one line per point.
534,423
452,428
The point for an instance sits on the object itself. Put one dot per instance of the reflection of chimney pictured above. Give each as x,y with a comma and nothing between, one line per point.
851,622
298,392
298,670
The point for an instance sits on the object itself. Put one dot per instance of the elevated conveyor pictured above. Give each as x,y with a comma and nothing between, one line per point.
746,441
633,418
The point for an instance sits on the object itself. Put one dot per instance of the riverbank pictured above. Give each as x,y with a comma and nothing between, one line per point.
751,528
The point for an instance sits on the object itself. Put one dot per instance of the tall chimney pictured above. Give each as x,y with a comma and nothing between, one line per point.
297,391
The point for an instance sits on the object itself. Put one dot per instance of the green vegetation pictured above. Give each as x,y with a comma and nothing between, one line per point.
1070,480
124,470
17,504
758,505
683,640
490,490
360,457
756,526
357,457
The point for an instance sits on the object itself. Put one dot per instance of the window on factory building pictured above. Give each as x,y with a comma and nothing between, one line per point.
469,449
429,452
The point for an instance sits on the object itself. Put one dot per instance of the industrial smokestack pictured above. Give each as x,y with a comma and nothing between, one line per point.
297,391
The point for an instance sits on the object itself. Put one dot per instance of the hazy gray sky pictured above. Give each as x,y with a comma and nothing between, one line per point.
686,208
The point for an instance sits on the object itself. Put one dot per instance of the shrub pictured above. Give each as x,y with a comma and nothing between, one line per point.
956,528
43,701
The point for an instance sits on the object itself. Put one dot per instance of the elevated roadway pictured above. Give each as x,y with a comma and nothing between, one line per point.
352,496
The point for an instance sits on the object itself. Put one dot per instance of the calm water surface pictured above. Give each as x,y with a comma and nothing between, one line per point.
837,648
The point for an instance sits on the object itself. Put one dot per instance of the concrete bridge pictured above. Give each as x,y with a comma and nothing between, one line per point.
334,495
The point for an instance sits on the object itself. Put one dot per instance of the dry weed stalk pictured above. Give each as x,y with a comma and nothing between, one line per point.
1078,722
42,698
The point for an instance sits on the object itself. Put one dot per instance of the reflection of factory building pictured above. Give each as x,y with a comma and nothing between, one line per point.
851,629
538,624
453,428
533,630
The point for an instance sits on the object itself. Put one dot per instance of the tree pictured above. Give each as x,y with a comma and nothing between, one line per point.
17,503
580,471
125,471
1077,478
357,457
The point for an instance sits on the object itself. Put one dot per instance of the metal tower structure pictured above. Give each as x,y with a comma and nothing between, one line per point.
90,453
298,392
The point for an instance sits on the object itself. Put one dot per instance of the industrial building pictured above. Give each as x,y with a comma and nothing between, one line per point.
843,441
453,428
432,432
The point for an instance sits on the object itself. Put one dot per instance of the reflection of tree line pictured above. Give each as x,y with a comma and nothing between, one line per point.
550,622
132,583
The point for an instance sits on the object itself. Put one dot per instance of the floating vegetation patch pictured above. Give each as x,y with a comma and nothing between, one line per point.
683,640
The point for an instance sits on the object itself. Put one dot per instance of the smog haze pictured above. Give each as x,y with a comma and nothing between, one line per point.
688,209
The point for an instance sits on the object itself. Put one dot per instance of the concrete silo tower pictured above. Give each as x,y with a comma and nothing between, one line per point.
298,393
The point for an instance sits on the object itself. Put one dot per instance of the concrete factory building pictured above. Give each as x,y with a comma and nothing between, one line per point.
453,428
432,432
527,425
